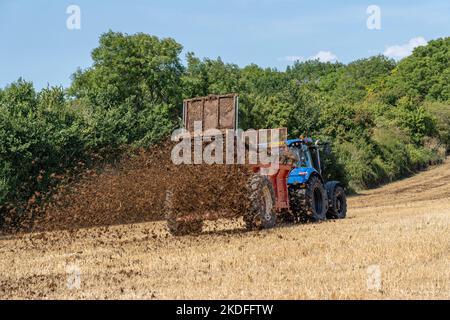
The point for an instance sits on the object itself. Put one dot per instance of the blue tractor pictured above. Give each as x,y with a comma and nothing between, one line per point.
297,192
310,196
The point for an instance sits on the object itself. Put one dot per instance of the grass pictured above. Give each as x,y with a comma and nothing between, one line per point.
395,244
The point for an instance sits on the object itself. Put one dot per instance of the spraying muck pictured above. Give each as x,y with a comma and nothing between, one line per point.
284,177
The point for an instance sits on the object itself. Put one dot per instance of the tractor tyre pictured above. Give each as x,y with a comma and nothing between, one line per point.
309,204
338,200
261,214
182,228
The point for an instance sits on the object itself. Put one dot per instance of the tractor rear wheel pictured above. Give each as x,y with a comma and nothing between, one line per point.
179,227
309,204
261,214
338,200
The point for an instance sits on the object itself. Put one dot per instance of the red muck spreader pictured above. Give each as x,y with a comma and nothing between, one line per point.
288,187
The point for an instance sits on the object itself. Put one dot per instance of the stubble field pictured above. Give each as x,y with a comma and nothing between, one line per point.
395,244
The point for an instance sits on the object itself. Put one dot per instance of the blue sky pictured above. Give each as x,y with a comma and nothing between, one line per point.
38,46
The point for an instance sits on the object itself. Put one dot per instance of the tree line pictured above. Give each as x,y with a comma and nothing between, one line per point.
383,119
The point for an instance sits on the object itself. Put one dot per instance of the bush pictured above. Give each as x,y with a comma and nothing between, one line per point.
441,113
40,135
357,159
384,120
43,136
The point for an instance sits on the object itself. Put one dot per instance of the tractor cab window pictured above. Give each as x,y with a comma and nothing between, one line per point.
303,155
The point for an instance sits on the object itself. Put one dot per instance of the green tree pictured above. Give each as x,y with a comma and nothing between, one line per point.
207,76
136,69
424,75
354,81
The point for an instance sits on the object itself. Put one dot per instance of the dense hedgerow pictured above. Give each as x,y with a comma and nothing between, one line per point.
382,120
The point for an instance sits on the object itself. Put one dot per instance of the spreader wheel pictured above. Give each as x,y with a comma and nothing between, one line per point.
179,227
261,214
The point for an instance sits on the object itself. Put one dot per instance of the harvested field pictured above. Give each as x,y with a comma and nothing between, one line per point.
395,244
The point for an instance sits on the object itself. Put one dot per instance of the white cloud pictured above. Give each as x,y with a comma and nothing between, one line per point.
324,56
292,58
403,50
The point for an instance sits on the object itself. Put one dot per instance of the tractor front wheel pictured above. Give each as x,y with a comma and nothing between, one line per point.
338,200
261,214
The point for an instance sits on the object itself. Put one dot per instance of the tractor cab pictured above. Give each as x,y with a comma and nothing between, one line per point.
312,198
308,160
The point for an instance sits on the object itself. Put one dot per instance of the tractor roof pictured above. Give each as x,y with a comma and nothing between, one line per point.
299,141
